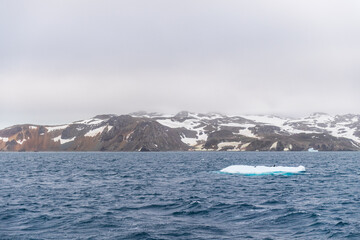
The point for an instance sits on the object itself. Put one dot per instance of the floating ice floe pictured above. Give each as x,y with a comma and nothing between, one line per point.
312,150
262,170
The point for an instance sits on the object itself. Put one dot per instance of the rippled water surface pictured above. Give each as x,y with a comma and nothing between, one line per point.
177,196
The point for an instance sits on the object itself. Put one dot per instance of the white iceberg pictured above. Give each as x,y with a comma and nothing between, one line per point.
262,170
312,150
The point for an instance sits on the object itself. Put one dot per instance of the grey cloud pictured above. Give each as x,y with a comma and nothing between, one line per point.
64,60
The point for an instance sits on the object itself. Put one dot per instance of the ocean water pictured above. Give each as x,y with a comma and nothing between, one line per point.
178,195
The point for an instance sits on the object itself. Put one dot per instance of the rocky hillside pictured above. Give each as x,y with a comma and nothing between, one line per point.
101,133
143,131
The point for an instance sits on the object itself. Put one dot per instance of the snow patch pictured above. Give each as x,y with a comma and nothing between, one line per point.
128,136
21,141
190,124
63,141
91,121
354,144
274,145
235,145
4,139
270,120
278,122
189,141
246,132
95,132
342,130
231,124
288,148
55,128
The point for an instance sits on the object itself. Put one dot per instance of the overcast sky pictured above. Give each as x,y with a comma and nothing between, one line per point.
66,60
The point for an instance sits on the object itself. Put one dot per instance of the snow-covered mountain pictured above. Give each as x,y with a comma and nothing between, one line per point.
263,132
142,131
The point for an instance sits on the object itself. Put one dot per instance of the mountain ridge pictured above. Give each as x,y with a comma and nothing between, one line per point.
188,131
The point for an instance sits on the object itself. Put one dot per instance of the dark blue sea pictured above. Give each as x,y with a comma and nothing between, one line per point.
178,195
